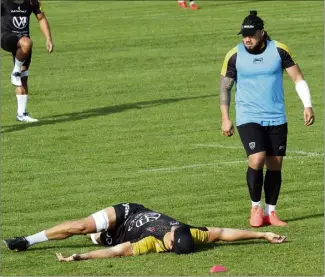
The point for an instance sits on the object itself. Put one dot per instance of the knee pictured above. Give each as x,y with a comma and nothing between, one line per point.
26,43
274,163
101,220
256,162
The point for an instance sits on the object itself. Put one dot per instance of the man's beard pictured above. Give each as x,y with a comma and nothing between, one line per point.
257,49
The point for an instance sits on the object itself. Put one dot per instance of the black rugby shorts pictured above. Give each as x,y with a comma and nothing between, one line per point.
257,138
9,43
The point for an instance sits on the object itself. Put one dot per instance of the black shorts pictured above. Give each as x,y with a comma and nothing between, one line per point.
123,212
9,43
257,138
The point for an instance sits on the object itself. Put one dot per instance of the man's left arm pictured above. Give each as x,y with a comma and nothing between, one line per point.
45,29
303,91
228,234
294,72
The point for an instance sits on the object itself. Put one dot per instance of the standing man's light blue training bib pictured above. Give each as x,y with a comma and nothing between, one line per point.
259,87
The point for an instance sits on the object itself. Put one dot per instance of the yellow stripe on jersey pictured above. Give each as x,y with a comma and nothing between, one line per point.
199,236
40,6
153,245
148,245
285,48
225,63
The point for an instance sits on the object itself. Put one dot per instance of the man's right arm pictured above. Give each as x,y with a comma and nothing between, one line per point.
227,79
226,84
145,245
123,249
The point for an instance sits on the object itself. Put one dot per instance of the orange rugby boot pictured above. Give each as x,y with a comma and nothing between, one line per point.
194,7
256,219
273,219
182,4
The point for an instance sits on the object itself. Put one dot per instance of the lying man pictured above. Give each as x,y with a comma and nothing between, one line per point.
130,229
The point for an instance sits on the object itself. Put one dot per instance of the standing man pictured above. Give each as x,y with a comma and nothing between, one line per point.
15,15
256,65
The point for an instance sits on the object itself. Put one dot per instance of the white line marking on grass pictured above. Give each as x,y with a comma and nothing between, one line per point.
310,154
189,166
314,154
219,146
168,169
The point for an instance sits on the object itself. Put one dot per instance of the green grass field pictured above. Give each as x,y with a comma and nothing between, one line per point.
129,111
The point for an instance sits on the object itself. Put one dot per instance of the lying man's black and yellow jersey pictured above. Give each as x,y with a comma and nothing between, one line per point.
145,229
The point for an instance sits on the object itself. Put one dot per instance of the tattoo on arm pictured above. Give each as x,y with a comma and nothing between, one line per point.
226,84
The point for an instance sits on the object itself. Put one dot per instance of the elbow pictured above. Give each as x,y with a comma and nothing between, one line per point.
42,20
298,79
123,250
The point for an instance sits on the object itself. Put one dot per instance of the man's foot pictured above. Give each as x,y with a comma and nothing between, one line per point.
273,219
256,219
194,7
17,243
182,4
16,79
26,118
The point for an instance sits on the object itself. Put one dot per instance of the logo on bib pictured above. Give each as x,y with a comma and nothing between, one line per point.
258,60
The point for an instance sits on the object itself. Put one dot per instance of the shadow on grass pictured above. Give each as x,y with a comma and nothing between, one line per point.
305,217
238,2
209,247
67,117
59,248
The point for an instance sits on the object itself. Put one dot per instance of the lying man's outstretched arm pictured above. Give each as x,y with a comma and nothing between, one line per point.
227,234
123,249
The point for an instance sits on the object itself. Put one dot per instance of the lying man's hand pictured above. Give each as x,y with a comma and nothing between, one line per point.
274,238
72,258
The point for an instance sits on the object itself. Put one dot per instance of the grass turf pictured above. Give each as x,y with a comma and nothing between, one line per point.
129,111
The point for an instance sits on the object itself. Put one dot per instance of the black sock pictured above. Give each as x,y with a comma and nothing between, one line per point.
255,183
272,185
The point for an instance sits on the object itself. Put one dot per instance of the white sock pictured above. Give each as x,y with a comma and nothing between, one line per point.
269,209
18,65
192,3
37,238
181,1
256,204
21,103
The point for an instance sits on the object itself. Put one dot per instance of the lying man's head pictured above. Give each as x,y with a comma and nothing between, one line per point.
182,241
